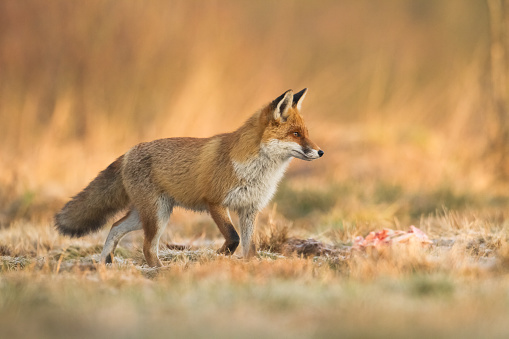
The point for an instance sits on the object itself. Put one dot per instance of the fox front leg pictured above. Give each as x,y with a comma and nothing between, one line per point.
247,226
224,223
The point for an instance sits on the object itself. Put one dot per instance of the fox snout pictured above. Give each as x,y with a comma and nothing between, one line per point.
307,153
312,151
314,154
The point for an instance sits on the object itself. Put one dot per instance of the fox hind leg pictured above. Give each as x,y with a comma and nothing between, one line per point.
130,222
153,227
222,219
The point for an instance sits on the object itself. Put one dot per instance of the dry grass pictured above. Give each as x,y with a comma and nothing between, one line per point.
53,287
399,100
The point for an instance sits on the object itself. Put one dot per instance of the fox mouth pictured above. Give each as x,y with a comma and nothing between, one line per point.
303,156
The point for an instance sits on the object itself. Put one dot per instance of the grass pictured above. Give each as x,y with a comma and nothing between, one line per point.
55,285
399,100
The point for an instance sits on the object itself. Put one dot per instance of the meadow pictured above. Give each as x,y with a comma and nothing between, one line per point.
408,99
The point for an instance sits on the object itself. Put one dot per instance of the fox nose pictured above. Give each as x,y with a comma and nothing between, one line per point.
320,153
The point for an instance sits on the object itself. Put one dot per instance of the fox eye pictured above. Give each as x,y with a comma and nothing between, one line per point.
296,134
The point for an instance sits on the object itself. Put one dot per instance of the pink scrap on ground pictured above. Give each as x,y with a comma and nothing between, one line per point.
388,236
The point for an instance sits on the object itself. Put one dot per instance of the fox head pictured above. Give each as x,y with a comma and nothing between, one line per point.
285,133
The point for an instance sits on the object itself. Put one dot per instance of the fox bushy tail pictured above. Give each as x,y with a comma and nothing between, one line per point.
90,209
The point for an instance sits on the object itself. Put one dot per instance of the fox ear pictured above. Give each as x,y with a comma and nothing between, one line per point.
281,105
298,98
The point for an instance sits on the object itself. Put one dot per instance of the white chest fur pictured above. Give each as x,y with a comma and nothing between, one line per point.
258,178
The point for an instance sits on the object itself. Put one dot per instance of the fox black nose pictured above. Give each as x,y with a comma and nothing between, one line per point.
320,153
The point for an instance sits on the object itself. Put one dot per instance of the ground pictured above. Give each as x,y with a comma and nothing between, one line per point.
53,286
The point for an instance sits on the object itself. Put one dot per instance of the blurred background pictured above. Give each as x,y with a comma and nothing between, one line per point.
408,99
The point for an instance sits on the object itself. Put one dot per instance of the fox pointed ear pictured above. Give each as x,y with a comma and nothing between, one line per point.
298,98
281,105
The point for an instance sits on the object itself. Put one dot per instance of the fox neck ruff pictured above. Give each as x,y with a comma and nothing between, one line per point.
259,176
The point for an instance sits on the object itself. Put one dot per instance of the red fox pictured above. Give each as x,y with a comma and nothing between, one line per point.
236,171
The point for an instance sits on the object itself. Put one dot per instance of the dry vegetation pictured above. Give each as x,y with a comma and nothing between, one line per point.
408,99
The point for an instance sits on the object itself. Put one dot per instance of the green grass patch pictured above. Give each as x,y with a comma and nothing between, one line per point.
298,203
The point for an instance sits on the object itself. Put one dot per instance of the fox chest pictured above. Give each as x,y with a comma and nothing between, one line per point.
257,183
